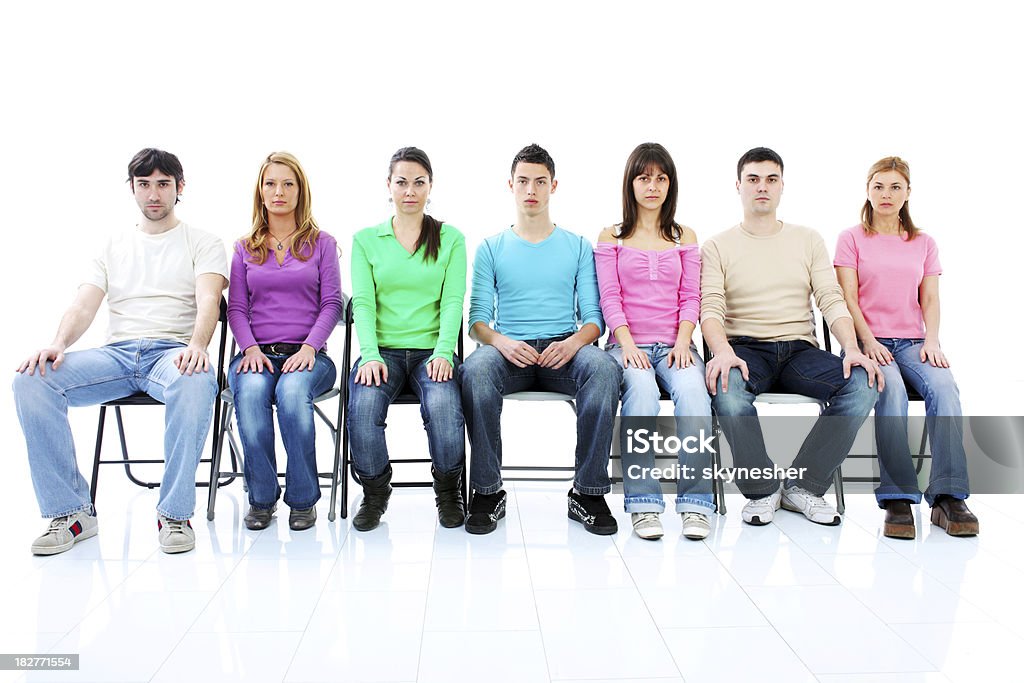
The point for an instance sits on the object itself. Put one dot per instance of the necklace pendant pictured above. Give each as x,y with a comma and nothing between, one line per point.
280,246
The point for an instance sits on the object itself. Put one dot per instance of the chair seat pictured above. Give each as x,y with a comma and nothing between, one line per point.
786,399
539,396
139,398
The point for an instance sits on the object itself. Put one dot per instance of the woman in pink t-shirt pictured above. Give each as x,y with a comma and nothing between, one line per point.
889,272
648,270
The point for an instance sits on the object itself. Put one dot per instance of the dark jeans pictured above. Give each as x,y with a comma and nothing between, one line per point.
792,367
439,407
592,377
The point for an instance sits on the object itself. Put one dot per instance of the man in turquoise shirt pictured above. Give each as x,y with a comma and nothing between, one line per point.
536,283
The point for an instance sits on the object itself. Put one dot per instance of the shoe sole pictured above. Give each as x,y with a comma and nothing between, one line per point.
756,520
697,535
175,549
64,547
258,526
939,519
891,530
481,529
653,537
792,508
593,528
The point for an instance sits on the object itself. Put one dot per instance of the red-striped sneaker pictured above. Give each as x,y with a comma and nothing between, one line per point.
64,532
176,535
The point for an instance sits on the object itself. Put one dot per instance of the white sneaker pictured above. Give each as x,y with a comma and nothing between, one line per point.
695,525
647,525
176,536
815,508
761,511
64,532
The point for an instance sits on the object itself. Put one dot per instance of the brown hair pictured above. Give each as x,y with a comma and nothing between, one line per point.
646,156
307,229
867,212
430,230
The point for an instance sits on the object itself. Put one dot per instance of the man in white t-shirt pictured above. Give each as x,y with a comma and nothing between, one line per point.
163,282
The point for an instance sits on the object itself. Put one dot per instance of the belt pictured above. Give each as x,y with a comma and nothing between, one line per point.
280,349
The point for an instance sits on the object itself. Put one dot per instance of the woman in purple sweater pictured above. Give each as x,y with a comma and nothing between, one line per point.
284,301
648,269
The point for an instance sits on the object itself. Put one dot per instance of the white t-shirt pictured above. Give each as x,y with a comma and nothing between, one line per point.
150,281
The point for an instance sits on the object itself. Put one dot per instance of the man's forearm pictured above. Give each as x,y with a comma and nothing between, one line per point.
714,336
206,321
843,329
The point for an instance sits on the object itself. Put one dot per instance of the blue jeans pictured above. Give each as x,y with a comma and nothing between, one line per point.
591,377
945,428
97,375
801,368
641,393
255,394
439,407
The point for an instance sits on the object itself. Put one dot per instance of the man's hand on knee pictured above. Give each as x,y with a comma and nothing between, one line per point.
192,359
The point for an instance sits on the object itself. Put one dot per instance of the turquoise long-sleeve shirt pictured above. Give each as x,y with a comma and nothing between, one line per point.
401,300
535,291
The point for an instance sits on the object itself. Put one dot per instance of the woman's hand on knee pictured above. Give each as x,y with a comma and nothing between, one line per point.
439,370
254,360
371,373
303,359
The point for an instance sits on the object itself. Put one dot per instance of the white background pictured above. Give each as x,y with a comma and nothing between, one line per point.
832,87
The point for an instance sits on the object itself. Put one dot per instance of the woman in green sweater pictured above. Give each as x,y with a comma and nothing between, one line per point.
408,286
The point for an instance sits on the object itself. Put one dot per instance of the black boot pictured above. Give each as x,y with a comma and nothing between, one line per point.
451,510
376,493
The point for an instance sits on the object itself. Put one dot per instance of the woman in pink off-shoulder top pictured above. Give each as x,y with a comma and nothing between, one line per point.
648,270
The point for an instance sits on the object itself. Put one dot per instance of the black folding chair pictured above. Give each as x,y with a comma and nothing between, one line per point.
226,431
143,399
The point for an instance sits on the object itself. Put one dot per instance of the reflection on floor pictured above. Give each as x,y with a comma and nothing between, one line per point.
538,600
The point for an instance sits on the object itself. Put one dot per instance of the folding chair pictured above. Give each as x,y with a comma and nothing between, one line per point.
227,430
407,397
781,398
144,399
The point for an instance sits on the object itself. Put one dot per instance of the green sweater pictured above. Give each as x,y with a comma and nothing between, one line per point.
402,301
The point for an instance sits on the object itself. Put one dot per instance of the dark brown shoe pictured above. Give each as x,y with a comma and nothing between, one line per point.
952,515
899,519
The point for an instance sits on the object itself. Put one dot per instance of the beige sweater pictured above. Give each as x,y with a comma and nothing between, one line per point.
761,287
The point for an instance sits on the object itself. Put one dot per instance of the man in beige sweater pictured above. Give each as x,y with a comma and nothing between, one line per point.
756,282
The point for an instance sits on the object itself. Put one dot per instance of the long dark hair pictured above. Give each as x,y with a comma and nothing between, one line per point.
647,156
867,212
430,232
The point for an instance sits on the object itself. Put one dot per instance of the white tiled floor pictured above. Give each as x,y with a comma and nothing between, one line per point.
539,600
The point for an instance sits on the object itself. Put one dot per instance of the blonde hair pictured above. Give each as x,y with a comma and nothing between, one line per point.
307,229
867,213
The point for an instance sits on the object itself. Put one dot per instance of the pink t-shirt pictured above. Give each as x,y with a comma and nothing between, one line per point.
650,291
889,274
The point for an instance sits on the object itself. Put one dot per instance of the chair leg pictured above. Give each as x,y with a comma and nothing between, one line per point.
924,445
124,454
96,455
840,495
336,433
718,486
346,463
218,449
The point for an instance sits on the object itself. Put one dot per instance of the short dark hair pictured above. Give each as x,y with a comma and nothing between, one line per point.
752,156
151,159
534,154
